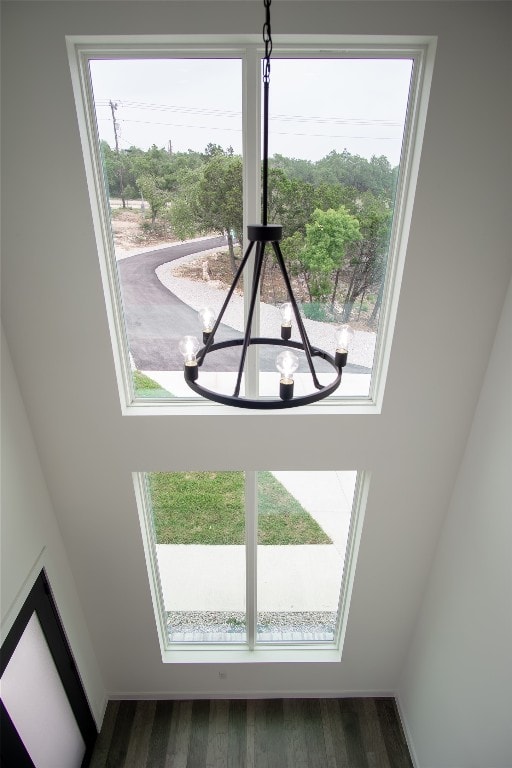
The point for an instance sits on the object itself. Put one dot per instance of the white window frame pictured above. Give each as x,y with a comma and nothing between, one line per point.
251,651
249,48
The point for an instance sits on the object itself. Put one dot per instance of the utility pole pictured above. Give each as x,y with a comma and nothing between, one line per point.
113,108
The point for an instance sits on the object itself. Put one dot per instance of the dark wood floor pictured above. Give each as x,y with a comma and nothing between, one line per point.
275,733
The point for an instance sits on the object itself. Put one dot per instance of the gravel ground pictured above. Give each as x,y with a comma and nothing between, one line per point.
198,294
211,626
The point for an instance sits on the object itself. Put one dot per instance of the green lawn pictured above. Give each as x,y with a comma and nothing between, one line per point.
208,508
143,386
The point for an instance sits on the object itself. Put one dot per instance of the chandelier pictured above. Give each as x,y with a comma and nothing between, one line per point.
287,361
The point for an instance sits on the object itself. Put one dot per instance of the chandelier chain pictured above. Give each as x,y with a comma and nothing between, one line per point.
267,39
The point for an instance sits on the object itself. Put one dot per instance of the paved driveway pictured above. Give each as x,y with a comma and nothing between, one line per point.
156,319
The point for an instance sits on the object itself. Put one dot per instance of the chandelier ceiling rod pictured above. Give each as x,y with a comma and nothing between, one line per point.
260,235
267,39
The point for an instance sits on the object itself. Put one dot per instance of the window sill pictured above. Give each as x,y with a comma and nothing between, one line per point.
242,655
200,407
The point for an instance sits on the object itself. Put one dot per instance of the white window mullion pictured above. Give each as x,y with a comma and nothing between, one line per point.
251,564
251,185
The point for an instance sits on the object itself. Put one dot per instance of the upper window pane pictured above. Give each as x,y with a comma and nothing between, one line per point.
335,138
170,137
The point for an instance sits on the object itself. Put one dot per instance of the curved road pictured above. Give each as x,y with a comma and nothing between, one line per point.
156,319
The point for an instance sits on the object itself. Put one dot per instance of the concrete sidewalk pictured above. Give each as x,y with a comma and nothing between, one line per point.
290,578
352,384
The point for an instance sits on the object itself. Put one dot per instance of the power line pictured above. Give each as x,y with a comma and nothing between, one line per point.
238,115
277,133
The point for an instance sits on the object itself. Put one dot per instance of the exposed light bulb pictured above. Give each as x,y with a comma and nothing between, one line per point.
286,312
344,336
207,318
287,363
286,320
189,346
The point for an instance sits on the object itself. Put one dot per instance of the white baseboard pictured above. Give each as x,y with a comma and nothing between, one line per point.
188,695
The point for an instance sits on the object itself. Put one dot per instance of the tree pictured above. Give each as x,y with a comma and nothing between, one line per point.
298,169
327,237
368,262
291,202
214,150
156,197
333,196
220,200
209,199
183,213
346,170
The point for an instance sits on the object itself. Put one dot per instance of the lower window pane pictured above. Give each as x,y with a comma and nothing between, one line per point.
303,526
199,529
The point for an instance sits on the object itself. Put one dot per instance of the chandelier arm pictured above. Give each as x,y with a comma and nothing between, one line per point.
303,334
201,355
260,252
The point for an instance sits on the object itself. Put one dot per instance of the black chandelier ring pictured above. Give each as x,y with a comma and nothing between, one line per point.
191,374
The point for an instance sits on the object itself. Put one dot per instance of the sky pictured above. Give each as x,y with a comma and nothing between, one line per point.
316,105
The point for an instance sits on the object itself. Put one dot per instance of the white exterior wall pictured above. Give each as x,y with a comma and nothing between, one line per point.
456,273
455,690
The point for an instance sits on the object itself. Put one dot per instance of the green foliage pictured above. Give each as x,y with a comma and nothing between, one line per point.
334,195
342,169
291,202
235,623
346,170
209,196
182,213
369,261
219,198
130,192
208,508
214,150
292,248
301,170
327,236
316,310
156,197
201,192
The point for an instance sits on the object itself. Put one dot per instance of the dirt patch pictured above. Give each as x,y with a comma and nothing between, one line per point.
131,230
217,267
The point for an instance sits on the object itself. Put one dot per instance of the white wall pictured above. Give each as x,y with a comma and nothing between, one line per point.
30,536
457,269
455,691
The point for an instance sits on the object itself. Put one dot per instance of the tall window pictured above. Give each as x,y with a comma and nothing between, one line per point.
255,560
173,138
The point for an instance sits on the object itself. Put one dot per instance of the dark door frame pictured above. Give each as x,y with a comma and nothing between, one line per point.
41,602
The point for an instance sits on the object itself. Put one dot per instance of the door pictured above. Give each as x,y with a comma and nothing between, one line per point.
45,717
